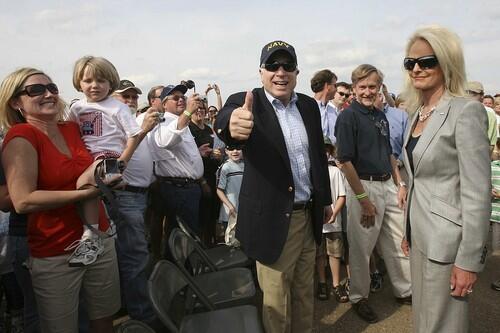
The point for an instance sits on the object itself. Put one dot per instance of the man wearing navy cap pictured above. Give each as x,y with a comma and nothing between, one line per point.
285,194
178,165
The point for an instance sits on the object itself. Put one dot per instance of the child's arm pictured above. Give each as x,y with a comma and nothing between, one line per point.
337,208
222,196
149,122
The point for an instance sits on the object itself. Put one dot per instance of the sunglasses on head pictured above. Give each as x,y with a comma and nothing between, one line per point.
343,94
288,67
425,62
38,89
176,97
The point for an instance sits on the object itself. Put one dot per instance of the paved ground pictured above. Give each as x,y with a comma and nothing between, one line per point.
331,316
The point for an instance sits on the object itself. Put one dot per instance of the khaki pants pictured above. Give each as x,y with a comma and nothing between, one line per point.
386,234
288,283
57,289
434,309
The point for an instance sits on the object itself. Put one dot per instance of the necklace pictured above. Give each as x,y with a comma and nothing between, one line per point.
423,116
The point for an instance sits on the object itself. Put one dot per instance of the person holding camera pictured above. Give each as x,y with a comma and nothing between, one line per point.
178,163
212,158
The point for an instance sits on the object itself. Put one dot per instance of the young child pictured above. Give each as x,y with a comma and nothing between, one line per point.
108,130
333,238
229,177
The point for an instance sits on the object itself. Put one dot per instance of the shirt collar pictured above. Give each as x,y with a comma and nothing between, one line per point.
361,108
274,100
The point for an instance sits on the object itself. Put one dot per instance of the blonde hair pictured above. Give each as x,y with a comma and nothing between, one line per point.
448,49
10,88
99,67
363,71
496,101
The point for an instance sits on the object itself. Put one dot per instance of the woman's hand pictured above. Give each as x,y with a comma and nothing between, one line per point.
461,281
402,194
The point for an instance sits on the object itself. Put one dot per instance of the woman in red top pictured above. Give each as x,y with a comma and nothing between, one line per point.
43,158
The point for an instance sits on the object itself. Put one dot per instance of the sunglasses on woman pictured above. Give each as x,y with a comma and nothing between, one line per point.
424,62
288,67
38,89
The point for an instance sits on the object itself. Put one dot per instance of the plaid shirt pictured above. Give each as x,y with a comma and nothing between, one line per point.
297,145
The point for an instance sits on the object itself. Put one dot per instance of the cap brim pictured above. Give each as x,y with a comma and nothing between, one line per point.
128,88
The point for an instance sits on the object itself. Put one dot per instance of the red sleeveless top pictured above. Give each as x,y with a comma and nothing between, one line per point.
52,230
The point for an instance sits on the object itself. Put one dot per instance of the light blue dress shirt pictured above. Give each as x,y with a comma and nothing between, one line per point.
297,144
397,119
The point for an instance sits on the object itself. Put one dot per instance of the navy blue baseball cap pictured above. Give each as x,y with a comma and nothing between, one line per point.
270,48
168,90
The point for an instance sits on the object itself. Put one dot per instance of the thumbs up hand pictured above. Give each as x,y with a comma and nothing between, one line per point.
241,121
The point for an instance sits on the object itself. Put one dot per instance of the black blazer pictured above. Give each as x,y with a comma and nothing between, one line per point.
267,189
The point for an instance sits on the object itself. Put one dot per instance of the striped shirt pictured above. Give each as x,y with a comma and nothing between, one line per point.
495,182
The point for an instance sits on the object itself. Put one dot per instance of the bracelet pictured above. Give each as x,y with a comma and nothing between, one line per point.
187,114
361,196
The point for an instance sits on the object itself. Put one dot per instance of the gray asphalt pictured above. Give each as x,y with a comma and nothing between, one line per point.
331,316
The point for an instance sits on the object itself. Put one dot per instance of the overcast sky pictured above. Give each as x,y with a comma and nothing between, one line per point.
162,42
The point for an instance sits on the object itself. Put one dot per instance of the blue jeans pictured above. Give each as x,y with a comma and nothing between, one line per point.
19,245
183,202
133,255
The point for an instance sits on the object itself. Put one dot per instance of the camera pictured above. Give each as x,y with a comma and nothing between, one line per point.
189,84
112,167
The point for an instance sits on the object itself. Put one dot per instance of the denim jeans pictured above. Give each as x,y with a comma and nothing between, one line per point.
133,255
183,202
23,276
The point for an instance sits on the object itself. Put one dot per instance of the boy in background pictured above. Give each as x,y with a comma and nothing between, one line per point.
230,175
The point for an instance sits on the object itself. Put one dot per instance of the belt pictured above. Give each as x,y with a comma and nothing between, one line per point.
135,189
376,178
302,205
179,181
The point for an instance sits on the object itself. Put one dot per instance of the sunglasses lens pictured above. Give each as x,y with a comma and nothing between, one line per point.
35,90
53,88
289,67
409,63
272,67
427,62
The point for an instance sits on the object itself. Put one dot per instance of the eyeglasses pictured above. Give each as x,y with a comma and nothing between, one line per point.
38,89
288,67
425,62
343,94
134,97
176,97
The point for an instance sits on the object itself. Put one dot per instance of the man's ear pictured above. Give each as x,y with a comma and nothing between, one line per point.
298,71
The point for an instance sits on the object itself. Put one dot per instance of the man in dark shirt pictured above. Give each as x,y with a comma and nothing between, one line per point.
374,218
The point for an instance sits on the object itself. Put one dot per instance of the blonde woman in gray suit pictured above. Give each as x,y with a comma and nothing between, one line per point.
448,203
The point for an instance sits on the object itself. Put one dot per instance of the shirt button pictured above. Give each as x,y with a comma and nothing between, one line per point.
290,189
219,130
287,214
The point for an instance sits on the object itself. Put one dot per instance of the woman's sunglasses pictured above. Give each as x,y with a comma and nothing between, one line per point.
425,62
288,67
38,89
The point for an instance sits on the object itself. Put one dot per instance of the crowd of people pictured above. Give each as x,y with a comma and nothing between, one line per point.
351,177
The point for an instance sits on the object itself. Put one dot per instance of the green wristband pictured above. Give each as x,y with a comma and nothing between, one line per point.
361,196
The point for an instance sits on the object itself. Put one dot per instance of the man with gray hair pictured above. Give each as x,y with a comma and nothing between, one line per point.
375,195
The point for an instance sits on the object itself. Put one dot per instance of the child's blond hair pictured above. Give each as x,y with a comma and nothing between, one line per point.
98,67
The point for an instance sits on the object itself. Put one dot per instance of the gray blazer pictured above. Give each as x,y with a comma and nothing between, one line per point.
449,192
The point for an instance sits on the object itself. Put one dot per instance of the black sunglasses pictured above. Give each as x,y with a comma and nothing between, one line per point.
343,94
288,67
38,89
424,62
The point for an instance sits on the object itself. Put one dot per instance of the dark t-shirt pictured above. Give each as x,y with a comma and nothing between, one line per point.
210,165
363,138
17,222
